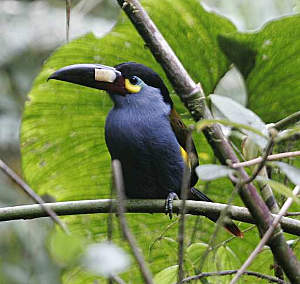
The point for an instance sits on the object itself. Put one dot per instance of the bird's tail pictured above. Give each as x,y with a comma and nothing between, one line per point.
228,223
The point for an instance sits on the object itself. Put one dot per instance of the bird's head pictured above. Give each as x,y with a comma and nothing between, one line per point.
122,80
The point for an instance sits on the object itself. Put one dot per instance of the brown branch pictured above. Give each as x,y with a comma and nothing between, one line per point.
117,279
197,208
231,272
184,195
266,236
262,163
68,14
118,179
273,157
31,193
193,97
291,214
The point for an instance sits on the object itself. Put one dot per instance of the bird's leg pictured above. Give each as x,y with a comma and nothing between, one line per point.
169,203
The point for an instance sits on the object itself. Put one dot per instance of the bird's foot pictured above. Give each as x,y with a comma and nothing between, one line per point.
169,203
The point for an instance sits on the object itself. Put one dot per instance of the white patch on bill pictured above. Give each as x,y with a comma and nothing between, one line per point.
105,75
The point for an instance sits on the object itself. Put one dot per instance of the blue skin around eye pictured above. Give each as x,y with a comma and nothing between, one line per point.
139,134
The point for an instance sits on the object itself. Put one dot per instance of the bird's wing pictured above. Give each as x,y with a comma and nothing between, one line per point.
181,133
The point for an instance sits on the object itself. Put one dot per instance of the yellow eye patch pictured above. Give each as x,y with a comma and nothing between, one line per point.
132,88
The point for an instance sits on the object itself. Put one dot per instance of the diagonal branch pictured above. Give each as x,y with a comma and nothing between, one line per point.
193,97
31,193
118,179
266,236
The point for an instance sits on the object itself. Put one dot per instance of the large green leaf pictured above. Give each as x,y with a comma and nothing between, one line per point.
62,135
269,60
63,125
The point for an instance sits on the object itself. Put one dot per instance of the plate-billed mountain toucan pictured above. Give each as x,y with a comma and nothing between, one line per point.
143,131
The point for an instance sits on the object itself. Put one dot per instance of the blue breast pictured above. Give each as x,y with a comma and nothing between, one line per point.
141,137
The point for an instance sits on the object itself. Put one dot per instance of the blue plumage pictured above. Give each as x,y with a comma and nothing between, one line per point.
139,134
143,131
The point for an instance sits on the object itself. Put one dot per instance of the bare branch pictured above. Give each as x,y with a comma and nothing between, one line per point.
31,193
118,178
292,214
118,280
68,14
231,272
266,236
203,208
291,119
184,195
269,158
262,163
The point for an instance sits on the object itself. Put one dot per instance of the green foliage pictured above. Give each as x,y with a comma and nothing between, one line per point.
211,172
63,148
63,125
237,113
269,61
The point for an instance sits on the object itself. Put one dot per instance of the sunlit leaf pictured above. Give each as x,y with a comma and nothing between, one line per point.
211,172
62,135
237,113
280,188
195,252
207,122
269,60
291,172
167,276
63,254
63,146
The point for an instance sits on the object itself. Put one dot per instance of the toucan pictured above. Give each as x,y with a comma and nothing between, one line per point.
143,131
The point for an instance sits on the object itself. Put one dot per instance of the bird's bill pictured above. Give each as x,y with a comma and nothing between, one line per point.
92,75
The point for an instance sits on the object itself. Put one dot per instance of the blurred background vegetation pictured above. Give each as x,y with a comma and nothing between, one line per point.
29,32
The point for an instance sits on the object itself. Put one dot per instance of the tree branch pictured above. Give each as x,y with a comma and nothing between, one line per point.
184,195
266,236
291,119
231,272
136,206
34,196
118,179
193,97
273,157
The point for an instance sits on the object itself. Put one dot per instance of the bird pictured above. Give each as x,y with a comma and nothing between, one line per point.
144,132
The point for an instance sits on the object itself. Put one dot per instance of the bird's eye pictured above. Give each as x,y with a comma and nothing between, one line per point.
134,80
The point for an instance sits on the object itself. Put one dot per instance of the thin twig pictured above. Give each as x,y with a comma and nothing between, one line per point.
224,243
117,279
110,217
231,272
223,215
161,235
291,119
292,214
195,230
110,226
269,198
68,15
262,163
31,193
184,194
269,158
118,179
197,208
266,236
